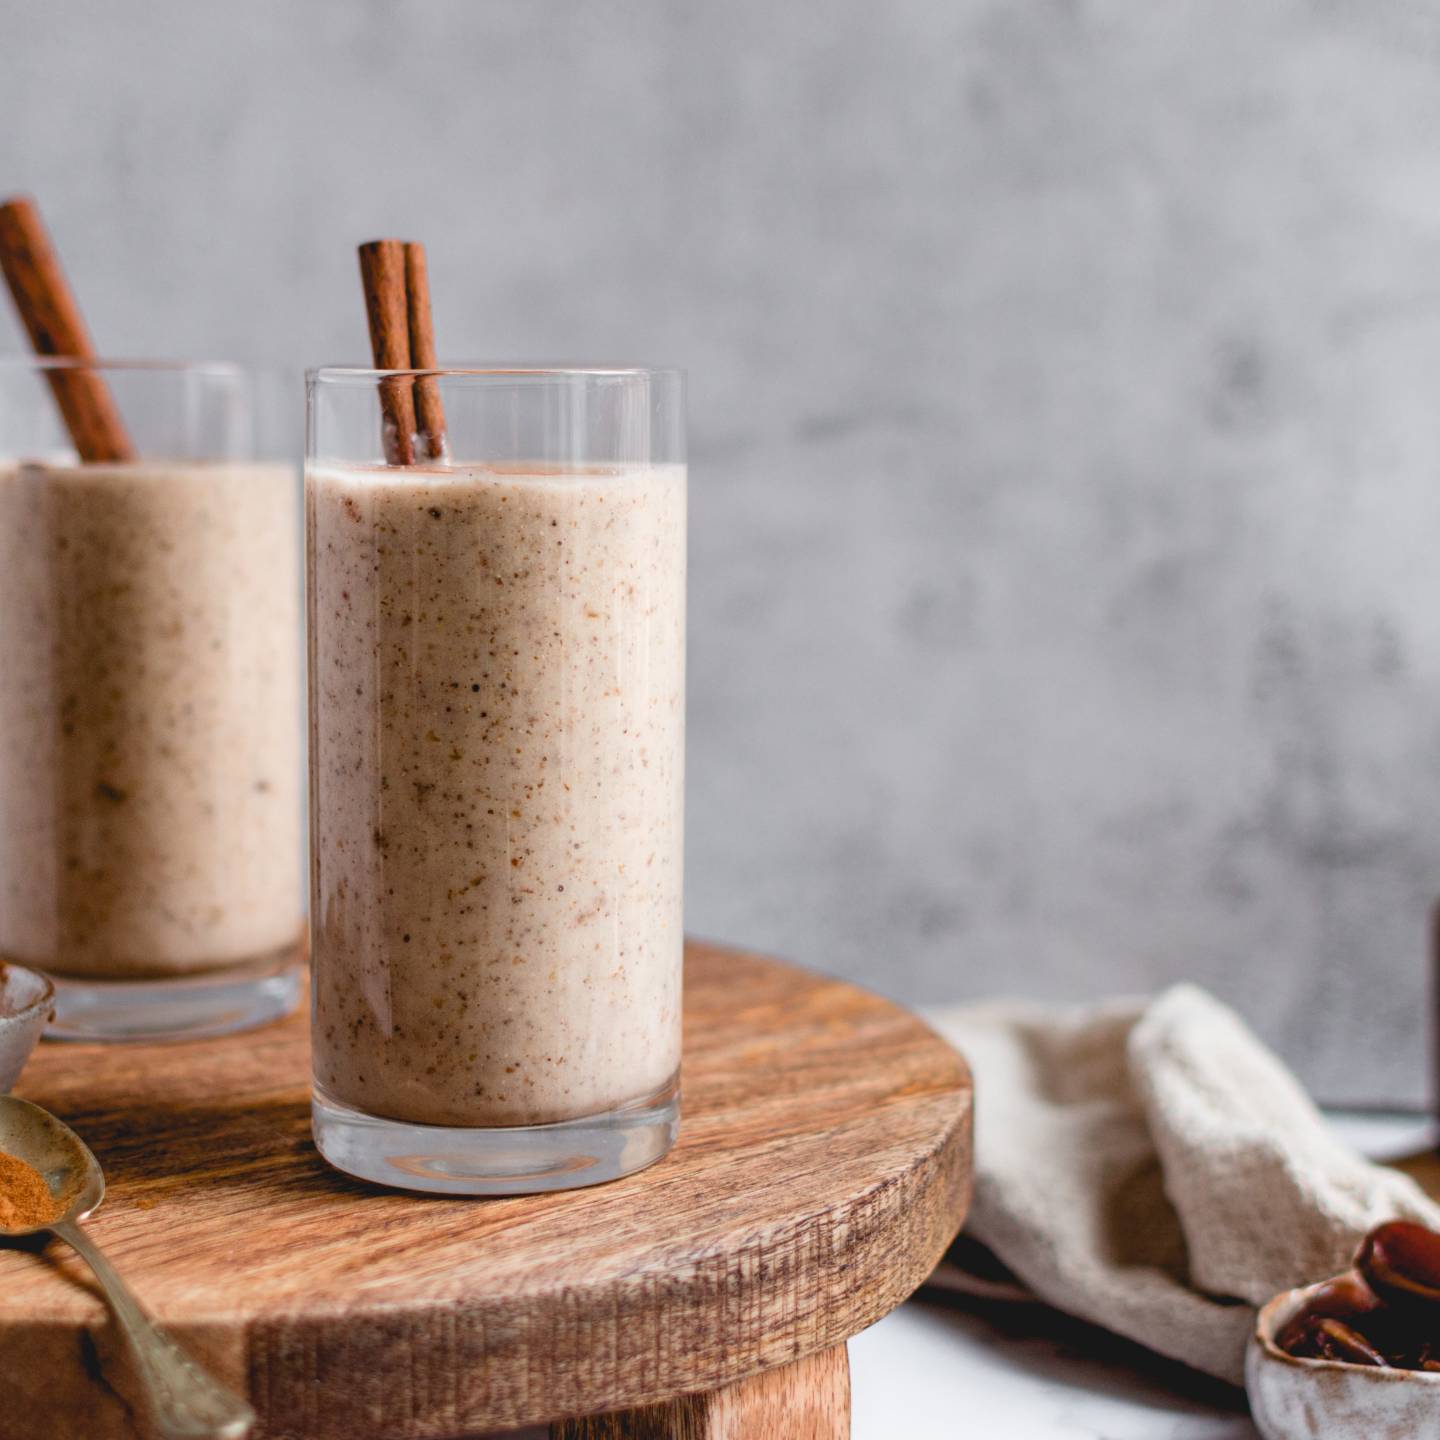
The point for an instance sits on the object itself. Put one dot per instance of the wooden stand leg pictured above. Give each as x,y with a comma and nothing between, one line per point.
806,1400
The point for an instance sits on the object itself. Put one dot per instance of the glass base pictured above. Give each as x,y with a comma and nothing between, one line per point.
180,1007
510,1160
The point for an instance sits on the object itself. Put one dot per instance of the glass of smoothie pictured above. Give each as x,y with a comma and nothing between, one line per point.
497,699
151,716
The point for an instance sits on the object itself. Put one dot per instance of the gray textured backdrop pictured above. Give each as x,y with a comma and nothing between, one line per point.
1065,425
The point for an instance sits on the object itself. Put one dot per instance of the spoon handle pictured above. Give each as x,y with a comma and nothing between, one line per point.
186,1403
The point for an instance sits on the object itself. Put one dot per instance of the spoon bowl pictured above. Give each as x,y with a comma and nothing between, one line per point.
71,1173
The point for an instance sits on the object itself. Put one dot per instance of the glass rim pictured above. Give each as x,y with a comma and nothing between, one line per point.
368,375
229,368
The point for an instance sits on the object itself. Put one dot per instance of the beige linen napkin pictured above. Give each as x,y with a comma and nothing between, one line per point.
1152,1167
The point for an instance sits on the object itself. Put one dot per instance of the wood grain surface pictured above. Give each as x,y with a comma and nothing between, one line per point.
807,1400
822,1168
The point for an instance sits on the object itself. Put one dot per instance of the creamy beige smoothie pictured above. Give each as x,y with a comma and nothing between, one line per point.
498,673
150,736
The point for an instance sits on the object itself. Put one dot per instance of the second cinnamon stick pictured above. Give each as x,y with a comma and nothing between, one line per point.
430,409
52,318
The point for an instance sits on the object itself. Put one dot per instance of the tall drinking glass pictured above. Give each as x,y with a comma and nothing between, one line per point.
151,736
497,651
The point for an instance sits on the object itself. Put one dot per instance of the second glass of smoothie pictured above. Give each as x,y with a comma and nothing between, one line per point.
497,651
151,760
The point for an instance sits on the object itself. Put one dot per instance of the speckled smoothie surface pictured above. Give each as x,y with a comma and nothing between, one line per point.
498,674
150,716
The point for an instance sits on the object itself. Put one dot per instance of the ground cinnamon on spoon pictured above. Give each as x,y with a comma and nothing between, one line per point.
25,1199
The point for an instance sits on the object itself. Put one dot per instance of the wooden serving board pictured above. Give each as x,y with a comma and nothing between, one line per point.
822,1168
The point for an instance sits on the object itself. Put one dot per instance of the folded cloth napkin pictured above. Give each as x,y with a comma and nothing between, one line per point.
1152,1167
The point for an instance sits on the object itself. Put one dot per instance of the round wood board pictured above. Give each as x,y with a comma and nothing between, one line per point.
822,1168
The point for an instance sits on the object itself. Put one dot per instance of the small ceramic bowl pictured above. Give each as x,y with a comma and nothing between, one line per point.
1293,1399
27,1002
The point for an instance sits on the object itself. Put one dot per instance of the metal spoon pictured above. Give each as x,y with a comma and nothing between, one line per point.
185,1402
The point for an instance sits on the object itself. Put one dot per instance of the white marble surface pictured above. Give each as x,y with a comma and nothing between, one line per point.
1025,1374
935,1369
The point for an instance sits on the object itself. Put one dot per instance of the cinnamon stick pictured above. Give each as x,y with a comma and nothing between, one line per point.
429,406
52,318
382,273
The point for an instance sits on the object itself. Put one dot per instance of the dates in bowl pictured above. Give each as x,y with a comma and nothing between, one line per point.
1356,1357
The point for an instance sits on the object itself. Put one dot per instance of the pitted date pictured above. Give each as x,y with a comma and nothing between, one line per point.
1401,1263
1385,1312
